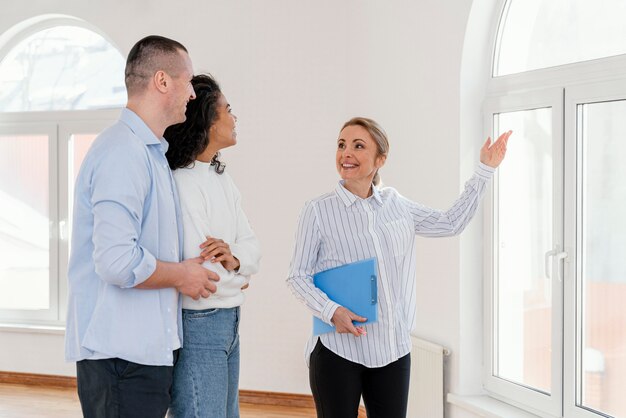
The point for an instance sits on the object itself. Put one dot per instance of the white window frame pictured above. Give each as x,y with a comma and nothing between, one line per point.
589,81
574,96
48,128
514,393
12,37
60,126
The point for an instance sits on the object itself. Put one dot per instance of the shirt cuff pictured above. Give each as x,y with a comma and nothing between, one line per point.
328,311
144,270
484,171
235,251
246,266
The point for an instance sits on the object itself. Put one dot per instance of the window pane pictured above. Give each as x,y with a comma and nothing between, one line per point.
545,33
62,68
24,222
602,129
79,145
524,232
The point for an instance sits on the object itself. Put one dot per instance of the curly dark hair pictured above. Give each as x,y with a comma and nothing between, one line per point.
187,140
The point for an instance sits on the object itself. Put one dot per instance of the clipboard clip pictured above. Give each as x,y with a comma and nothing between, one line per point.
374,289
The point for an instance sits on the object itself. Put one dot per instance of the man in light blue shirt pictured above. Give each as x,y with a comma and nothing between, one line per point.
125,270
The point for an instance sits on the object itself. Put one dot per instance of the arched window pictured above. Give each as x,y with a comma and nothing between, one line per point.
537,34
61,83
62,68
557,279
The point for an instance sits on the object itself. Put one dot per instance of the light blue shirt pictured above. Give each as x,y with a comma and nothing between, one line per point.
126,216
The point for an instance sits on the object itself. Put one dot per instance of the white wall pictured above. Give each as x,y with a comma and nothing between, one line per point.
475,73
412,81
294,71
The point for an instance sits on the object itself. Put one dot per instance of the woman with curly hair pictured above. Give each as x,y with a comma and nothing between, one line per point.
206,376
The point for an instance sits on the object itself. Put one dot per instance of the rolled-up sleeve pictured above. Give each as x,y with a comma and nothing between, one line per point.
120,184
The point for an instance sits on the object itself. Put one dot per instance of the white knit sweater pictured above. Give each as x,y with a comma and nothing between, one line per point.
211,206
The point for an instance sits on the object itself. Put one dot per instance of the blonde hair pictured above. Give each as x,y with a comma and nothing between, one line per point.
377,133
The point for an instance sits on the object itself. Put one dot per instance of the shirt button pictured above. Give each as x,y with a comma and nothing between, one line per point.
169,310
169,330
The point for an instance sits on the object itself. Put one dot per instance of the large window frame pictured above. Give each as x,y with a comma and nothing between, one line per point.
60,127
538,402
597,92
563,88
49,129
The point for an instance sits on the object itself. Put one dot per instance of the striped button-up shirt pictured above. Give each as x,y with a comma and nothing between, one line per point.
340,228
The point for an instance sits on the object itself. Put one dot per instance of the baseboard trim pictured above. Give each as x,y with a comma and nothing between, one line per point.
282,399
31,379
245,396
276,398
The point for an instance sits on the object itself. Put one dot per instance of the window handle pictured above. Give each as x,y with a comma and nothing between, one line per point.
559,255
63,230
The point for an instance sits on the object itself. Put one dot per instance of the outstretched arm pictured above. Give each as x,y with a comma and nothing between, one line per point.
434,223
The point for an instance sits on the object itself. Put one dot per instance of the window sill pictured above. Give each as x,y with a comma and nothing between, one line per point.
485,406
33,329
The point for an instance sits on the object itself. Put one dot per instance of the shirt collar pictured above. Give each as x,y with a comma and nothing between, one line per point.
348,198
376,195
139,128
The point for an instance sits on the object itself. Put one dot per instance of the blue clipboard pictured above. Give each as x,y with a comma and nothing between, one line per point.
353,286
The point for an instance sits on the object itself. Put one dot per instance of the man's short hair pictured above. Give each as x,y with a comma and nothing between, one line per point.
149,55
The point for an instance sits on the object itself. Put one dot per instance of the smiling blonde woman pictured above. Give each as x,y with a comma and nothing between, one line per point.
361,220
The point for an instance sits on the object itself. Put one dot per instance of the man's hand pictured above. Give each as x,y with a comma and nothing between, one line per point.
197,281
216,250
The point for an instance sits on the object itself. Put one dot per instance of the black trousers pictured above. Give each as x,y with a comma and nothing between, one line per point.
116,388
337,385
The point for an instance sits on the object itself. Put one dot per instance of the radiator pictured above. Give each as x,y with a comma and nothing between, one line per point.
426,391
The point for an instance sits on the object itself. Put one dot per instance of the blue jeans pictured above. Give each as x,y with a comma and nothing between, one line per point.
206,376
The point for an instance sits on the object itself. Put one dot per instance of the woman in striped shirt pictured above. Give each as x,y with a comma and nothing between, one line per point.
360,220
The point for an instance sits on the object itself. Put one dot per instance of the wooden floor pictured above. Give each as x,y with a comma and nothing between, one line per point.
19,401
